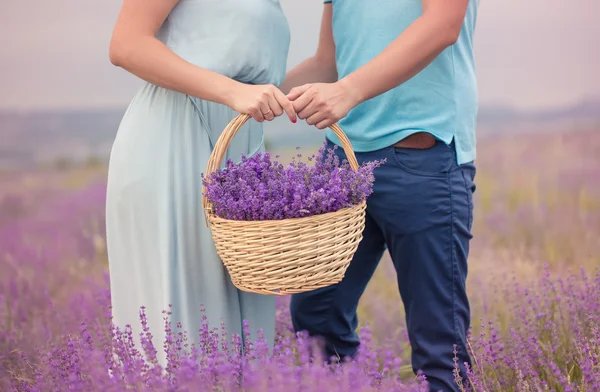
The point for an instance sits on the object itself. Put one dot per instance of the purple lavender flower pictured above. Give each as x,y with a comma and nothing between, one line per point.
260,189
540,328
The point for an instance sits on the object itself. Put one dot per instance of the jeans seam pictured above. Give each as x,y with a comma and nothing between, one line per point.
453,260
334,291
329,312
469,200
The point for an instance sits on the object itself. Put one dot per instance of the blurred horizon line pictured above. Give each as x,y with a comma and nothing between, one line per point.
496,105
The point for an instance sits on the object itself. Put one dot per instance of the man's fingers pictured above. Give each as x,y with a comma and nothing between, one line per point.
297,91
316,118
324,124
286,104
301,104
309,110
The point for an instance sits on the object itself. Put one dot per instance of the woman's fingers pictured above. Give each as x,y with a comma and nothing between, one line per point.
265,109
256,112
285,104
271,103
275,106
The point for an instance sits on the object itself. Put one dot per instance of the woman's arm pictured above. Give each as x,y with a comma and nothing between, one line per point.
134,47
321,66
439,26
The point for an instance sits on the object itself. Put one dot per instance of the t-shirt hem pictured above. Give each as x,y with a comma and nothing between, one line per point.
388,141
384,142
466,157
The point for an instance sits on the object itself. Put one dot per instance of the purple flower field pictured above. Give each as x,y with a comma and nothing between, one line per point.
534,286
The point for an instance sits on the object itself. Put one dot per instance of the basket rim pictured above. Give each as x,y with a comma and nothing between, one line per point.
213,218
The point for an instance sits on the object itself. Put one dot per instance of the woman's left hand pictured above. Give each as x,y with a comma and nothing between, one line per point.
323,104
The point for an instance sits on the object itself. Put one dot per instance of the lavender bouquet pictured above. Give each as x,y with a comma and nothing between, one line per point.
260,189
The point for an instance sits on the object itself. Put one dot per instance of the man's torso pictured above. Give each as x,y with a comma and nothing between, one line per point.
440,100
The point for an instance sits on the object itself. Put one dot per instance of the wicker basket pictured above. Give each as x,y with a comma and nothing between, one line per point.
280,257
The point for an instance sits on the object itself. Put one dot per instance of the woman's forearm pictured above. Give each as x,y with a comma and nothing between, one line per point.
151,60
311,70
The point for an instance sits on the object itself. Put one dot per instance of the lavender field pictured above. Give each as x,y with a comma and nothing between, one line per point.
534,286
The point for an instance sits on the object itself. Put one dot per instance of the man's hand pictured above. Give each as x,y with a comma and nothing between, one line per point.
323,104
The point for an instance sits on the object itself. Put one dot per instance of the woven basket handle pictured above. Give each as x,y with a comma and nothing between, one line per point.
216,157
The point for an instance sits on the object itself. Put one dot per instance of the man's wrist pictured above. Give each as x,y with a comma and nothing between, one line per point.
353,89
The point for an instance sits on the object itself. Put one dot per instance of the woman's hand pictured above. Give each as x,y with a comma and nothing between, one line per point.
262,102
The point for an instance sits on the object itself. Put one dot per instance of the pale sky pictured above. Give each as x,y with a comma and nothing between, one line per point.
529,53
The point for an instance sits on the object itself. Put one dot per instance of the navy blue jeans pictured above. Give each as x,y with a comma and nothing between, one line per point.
421,210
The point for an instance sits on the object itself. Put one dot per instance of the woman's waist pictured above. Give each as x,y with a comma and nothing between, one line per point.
158,116
250,66
150,97
213,116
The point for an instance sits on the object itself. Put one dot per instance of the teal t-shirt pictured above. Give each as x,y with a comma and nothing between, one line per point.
441,99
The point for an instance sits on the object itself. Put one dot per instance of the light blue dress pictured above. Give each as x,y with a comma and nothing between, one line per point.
160,251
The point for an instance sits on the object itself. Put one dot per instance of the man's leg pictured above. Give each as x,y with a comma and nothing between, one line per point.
425,214
330,312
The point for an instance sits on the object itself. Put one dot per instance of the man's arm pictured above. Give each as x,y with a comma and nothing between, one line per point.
321,66
436,29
